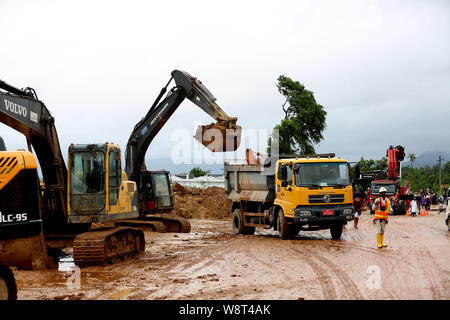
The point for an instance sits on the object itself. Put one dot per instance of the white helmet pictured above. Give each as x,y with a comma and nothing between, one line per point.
383,189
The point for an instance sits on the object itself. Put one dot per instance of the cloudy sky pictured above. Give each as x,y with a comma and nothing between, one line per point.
381,69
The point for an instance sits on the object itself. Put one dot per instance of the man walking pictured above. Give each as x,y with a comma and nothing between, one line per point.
382,208
414,206
357,206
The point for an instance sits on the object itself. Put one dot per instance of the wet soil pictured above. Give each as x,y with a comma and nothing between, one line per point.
213,263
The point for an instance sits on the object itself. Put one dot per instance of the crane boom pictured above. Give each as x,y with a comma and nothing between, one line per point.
395,156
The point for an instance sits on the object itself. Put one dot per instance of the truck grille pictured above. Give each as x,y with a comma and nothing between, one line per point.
326,198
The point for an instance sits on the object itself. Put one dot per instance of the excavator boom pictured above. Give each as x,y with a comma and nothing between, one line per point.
222,136
22,111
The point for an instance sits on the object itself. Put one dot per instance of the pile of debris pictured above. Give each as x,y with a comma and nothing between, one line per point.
201,203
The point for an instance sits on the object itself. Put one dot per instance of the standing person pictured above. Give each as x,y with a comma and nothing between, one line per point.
423,201
414,206
382,208
357,204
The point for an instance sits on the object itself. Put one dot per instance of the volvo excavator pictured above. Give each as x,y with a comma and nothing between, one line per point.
155,193
69,208
93,189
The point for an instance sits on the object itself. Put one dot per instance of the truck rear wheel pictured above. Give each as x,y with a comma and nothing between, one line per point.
238,224
8,288
336,231
283,226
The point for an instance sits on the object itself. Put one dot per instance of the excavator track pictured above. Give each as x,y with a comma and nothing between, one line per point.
99,247
172,223
159,223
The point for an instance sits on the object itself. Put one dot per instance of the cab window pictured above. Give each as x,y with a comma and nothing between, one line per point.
114,176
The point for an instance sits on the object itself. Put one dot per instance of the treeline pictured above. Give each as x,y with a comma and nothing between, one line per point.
427,177
420,178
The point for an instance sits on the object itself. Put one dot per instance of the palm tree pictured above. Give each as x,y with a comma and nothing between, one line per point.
412,158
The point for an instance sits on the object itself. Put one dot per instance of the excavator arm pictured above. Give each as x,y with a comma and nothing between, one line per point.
222,136
21,110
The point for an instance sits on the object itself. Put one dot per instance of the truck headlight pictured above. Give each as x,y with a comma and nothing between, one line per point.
305,213
347,211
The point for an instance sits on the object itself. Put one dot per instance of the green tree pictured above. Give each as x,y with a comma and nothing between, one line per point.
304,119
426,177
197,172
412,157
371,165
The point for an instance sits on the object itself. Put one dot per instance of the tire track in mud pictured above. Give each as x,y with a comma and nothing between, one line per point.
328,289
346,281
428,264
415,233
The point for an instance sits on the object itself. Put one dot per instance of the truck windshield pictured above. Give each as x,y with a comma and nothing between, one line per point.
325,174
375,188
87,172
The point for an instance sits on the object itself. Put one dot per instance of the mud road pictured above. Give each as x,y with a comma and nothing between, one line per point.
213,263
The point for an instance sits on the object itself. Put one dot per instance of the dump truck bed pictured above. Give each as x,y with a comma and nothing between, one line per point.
249,182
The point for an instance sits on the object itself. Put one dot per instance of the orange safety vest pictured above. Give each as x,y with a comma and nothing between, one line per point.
379,214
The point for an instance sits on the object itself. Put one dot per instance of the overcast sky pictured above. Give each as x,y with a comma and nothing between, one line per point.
381,69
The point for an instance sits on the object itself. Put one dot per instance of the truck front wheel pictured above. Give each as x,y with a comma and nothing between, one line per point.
336,231
238,224
282,226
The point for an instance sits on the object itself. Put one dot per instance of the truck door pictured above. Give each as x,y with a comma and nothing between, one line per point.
284,187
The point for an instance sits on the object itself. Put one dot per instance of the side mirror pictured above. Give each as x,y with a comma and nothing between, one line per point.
284,183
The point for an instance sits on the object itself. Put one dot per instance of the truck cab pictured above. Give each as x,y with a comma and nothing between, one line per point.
314,193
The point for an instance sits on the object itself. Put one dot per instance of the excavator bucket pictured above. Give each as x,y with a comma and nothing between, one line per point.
221,136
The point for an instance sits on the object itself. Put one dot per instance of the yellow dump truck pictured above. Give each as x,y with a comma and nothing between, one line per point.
291,194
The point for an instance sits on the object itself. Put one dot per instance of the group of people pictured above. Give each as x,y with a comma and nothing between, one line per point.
422,200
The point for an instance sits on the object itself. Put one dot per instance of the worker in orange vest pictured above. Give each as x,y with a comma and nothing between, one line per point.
382,208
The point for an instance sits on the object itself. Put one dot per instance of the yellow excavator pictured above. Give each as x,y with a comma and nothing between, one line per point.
77,204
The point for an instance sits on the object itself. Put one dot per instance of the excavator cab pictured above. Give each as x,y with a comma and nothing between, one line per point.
98,190
155,192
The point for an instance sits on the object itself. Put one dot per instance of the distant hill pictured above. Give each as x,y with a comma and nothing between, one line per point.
428,158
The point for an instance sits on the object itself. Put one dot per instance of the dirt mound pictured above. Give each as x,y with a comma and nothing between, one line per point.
201,203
